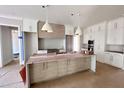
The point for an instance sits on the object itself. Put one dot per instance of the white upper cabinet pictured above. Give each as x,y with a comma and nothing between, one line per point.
29,25
69,30
115,31
86,36
97,33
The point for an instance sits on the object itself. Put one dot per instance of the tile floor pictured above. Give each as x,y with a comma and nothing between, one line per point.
10,77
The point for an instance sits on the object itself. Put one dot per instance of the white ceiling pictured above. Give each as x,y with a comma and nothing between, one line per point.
89,14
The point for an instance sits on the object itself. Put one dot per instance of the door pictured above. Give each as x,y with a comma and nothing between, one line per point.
21,47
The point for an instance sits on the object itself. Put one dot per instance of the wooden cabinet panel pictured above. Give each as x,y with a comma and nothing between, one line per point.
58,31
37,73
62,67
51,70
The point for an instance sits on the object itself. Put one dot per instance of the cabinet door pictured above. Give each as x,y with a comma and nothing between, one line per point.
119,37
34,26
85,36
37,72
111,37
115,31
62,67
84,63
108,58
100,57
29,25
117,60
51,70
72,66
118,23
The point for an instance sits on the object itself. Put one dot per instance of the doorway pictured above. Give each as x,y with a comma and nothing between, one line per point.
15,43
11,45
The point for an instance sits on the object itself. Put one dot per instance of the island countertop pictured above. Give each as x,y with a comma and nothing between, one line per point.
37,58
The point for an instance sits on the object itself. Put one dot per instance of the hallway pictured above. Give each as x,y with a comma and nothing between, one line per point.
10,77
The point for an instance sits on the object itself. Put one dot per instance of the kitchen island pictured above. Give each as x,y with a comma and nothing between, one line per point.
41,68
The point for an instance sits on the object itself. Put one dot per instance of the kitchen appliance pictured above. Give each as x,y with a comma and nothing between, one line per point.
91,46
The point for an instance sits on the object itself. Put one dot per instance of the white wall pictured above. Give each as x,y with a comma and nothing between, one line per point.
6,45
10,22
0,48
6,21
31,44
15,42
54,43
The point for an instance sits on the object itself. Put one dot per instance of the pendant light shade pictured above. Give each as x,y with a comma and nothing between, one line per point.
47,27
78,31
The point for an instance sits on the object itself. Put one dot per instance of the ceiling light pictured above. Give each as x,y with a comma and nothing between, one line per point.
46,26
78,31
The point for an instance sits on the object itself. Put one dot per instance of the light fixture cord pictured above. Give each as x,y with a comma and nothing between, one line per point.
47,14
78,19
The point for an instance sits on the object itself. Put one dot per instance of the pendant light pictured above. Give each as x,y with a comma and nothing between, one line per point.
46,26
78,30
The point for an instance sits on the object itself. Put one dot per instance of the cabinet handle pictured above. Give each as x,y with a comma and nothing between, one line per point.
115,25
47,65
30,28
43,66
67,62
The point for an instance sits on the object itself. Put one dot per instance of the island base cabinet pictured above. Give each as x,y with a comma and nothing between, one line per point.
44,71
62,68
84,64
51,70
79,64
37,73
71,66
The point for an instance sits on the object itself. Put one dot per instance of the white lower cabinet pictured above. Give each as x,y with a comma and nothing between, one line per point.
114,59
108,58
118,60
100,57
